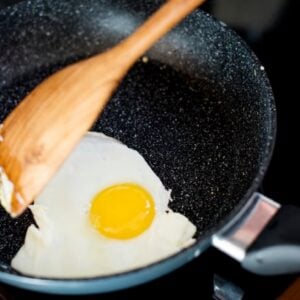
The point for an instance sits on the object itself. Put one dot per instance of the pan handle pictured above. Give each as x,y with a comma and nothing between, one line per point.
263,236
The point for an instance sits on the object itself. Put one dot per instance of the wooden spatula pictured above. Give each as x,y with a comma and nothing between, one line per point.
40,133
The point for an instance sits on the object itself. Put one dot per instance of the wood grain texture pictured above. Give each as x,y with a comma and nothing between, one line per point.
41,132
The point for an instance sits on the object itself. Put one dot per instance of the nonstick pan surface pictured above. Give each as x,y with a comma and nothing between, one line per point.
199,109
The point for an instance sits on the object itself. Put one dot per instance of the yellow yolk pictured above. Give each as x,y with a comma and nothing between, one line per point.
122,211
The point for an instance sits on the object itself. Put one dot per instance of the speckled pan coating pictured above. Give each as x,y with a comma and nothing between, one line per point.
200,110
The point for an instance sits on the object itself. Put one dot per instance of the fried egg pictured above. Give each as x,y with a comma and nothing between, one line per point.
104,212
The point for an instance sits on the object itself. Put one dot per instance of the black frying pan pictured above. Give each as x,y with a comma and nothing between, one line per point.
201,112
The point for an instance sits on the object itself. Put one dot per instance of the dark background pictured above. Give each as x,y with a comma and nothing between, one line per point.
270,27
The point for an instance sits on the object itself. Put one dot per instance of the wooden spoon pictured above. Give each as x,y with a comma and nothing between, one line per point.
41,132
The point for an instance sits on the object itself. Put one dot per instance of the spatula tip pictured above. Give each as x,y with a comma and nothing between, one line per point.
10,200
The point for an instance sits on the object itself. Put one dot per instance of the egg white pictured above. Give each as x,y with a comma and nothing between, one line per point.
65,245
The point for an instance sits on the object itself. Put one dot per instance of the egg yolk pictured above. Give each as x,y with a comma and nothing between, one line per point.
122,211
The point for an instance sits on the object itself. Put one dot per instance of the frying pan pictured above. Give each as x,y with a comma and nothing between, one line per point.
201,112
